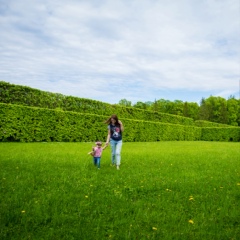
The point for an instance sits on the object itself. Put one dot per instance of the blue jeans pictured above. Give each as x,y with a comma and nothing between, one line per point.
116,147
96,161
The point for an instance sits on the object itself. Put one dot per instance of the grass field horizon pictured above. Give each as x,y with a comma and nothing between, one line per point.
163,190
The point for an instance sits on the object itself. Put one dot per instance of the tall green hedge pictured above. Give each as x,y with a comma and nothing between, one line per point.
72,120
30,124
26,96
231,134
202,123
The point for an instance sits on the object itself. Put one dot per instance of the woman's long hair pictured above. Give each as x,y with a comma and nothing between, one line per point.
114,116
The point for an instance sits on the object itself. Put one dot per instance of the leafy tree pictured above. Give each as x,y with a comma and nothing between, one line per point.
223,117
125,103
204,110
233,111
140,105
164,105
177,107
219,106
213,109
149,105
238,113
191,110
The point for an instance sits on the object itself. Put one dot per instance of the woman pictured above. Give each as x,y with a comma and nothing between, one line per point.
115,130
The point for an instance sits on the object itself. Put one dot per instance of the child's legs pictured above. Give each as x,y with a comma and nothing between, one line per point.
118,152
98,162
95,161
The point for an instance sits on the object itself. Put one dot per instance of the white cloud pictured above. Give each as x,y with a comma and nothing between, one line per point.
110,50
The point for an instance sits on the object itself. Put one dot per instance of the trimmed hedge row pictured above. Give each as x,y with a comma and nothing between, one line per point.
231,134
26,96
28,124
146,131
202,123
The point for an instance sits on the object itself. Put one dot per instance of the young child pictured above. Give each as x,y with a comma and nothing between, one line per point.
97,153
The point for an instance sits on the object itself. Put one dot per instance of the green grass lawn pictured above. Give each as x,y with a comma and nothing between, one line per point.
163,190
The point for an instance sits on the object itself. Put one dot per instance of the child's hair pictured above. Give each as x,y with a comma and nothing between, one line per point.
98,143
114,116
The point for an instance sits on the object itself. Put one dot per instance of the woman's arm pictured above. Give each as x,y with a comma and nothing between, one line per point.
121,126
108,137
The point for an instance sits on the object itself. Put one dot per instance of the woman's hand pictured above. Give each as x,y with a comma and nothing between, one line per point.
121,125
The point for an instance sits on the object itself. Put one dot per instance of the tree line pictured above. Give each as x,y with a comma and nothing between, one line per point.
213,109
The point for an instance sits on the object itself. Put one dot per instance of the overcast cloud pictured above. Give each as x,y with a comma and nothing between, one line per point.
108,50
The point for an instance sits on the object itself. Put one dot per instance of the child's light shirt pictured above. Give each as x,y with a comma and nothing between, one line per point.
97,151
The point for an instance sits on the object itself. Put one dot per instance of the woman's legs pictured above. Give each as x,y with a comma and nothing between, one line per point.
118,153
116,147
113,148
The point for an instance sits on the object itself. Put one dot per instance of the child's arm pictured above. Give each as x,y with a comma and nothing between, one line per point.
104,147
92,152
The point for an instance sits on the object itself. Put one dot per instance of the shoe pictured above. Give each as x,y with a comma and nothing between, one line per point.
118,168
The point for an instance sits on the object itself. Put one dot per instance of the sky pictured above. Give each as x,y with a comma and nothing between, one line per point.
109,50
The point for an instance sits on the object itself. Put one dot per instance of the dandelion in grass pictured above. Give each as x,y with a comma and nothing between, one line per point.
238,184
154,228
23,211
86,196
191,198
191,221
